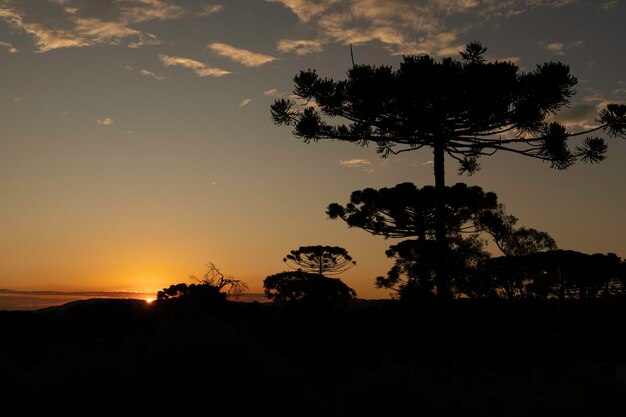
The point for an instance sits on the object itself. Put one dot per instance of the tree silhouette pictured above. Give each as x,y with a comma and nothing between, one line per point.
214,286
510,240
572,274
464,108
216,278
306,288
405,210
201,293
412,275
329,260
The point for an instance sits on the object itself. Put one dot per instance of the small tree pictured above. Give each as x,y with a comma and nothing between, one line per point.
212,285
193,293
215,278
306,288
329,260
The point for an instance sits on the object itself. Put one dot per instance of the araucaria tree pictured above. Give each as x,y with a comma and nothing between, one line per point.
465,109
323,260
406,211
308,284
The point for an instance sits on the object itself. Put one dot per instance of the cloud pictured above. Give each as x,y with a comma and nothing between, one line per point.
147,73
10,48
46,38
99,31
245,102
577,114
14,99
406,26
107,121
145,10
300,47
305,9
242,56
556,48
560,48
353,163
145,39
91,23
272,92
10,16
201,70
210,9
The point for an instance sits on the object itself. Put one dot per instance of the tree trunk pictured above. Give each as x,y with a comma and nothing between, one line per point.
441,275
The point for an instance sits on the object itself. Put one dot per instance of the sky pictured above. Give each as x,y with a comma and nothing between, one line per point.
136,143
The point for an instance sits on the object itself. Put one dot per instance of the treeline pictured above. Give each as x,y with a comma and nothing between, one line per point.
562,274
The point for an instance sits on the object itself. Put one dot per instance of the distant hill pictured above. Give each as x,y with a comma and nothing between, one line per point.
35,300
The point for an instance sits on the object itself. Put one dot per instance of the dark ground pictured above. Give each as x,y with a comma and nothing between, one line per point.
380,358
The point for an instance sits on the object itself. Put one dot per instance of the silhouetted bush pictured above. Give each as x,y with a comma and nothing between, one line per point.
307,288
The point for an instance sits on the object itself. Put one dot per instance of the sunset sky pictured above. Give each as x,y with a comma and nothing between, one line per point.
136,143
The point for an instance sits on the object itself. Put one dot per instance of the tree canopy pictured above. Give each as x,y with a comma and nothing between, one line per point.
310,288
464,108
405,210
329,260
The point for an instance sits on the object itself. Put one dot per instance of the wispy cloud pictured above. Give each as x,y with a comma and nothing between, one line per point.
406,26
210,9
46,38
242,56
245,102
353,163
107,121
201,69
560,48
578,115
147,73
14,99
557,48
305,9
300,47
10,48
272,92
100,31
139,11
88,24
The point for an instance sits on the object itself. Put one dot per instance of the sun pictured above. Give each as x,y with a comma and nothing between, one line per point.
149,300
